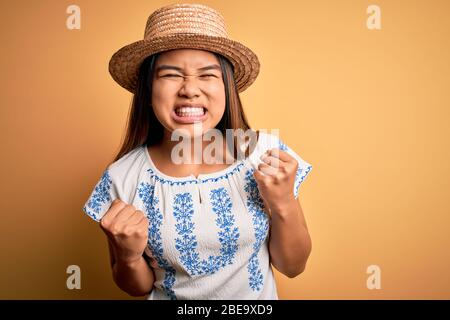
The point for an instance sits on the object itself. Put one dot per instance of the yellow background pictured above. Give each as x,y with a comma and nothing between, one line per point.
369,109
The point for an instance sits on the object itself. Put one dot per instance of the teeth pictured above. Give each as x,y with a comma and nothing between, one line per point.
190,111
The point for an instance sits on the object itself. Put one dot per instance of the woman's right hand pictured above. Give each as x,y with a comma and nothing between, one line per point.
127,229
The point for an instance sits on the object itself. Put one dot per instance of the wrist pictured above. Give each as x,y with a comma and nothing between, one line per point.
129,262
283,207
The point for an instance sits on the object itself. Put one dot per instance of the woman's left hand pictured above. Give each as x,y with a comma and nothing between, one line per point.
275,178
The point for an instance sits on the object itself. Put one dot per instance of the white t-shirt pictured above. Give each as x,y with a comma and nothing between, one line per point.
210,234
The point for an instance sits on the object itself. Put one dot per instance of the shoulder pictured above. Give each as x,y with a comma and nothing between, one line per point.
118,180
127,165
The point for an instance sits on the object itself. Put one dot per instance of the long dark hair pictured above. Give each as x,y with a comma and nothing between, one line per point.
144,127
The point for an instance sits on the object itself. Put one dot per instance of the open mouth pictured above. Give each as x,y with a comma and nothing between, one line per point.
190,114
190,111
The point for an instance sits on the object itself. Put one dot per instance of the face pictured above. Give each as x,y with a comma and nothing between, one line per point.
188,89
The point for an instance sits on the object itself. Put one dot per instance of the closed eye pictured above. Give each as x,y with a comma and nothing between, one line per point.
177,75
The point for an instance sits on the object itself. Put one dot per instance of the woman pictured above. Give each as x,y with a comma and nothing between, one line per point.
189,229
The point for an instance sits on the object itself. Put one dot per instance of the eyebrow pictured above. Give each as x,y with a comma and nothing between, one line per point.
169,67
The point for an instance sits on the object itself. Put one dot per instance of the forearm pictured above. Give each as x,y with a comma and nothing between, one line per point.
290,243
135,278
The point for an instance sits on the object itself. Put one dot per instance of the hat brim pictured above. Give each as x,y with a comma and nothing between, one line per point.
124,64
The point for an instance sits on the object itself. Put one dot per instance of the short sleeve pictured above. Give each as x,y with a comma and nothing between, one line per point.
102,196
304,168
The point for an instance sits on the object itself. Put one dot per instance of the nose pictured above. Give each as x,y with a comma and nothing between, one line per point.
190,87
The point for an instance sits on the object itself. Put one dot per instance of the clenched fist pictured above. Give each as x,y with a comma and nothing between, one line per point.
275,178
127,230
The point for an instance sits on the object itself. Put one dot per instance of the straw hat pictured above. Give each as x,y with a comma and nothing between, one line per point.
177,26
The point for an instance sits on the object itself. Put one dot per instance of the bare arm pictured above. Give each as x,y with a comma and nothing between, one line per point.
135,278
290,243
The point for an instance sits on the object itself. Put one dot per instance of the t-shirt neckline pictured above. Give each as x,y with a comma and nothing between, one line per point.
201,176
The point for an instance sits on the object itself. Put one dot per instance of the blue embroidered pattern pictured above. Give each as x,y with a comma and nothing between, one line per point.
282,146
186,244
100,196
146,193
228,236
195,181
298,175
261,224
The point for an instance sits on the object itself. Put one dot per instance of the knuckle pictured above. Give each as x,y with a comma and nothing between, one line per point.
104,223
265,182
277,179
115,230
127,231
143,233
